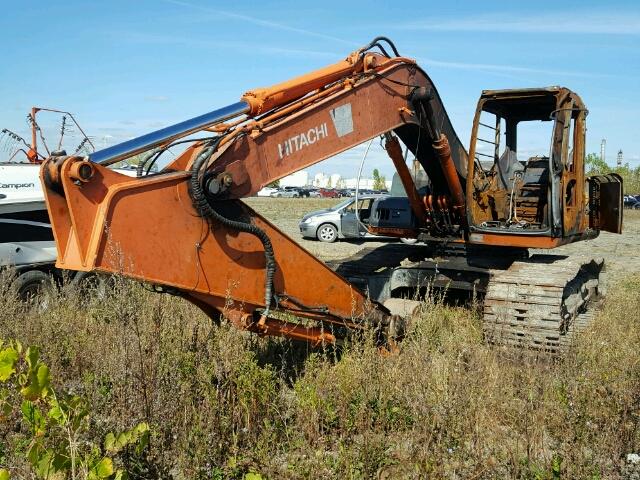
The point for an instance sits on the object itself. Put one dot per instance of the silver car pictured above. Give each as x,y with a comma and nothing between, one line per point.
284,193
340,221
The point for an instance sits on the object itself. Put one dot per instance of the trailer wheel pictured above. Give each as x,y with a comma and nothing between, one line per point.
30,284
94,285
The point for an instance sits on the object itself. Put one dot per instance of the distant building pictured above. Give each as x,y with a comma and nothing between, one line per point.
297,179
365,183
335,180
320,180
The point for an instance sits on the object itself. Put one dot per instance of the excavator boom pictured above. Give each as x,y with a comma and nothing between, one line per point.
186,230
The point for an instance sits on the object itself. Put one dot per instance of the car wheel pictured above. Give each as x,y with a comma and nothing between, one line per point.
327,233
409,241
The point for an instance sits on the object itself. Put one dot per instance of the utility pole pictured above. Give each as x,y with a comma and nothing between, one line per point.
603,146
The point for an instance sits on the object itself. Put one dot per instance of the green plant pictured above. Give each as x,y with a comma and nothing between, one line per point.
379,181
56,422
630,176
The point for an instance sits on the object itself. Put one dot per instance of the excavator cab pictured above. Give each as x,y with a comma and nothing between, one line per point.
527,164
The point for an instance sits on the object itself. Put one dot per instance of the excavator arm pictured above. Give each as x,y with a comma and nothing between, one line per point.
185,229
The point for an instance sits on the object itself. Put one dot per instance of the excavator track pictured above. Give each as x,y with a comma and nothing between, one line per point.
542,302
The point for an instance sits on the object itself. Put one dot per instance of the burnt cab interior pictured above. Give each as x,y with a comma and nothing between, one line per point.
527,146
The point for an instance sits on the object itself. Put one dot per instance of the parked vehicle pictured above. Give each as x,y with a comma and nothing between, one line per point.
328,193
302,192
339,221
266,191
631,202
286,193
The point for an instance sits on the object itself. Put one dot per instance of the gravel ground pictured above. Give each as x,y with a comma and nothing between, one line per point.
286,214
621,252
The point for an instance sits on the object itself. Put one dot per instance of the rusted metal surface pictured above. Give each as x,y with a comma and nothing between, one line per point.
443,150
528,241
606,209
394,150
320,130
97,225
546,224
262,100
536,304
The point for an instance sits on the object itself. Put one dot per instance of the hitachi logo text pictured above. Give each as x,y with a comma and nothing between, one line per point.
298,142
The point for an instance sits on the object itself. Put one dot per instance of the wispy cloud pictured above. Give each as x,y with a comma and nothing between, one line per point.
237,46
260,22
156,98
604,23
506,69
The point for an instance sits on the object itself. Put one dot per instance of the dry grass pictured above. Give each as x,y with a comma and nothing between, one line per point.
223,403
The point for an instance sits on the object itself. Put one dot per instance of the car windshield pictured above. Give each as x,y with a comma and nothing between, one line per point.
342,204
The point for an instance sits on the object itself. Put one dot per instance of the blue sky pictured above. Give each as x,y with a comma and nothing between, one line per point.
128,67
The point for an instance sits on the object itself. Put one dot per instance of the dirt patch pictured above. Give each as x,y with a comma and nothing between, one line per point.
620,252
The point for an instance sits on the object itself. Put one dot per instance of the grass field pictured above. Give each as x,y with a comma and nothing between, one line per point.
225,404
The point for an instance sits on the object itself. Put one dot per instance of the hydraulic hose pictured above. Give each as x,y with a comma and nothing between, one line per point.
204,208
377,40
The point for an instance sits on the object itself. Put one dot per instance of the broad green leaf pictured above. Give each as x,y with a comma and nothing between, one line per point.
121,475
33,453
4,474
140,435
110,442
143,441
252,476
32,356
113,443
102,469
56,414
123,439
57,411
38,383
31,414
44,467
141,428
5,410
8,359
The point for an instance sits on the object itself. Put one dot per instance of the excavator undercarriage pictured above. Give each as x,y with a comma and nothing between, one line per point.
536,302
186,229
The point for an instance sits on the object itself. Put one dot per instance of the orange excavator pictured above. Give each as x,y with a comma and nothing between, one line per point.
186,230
